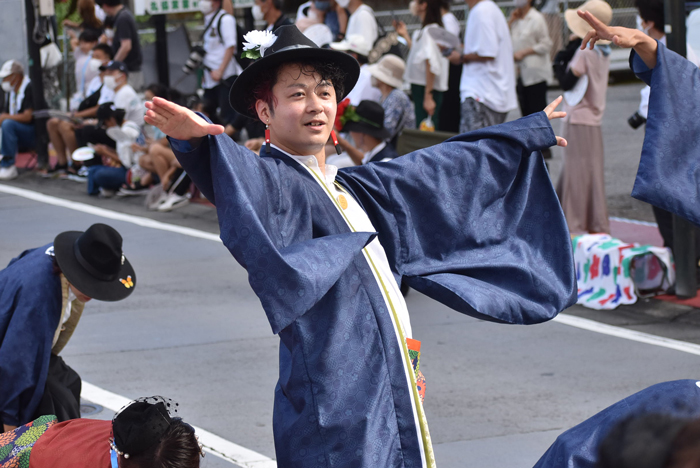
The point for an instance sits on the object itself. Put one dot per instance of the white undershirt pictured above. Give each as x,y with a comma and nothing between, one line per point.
358,221
370,154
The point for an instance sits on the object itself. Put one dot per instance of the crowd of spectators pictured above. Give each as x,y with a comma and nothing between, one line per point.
437,78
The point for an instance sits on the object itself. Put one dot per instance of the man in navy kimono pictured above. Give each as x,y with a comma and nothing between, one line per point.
473,222
669,169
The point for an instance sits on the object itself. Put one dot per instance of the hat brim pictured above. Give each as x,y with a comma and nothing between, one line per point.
83,281
579,26
241,91
376,72
363,127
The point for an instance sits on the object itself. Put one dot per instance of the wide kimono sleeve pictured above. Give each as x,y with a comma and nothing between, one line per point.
579,446
669,169
265,222
475,223
30,308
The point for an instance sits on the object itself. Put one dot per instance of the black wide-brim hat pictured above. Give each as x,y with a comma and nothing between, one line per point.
93,262
371,115
291,46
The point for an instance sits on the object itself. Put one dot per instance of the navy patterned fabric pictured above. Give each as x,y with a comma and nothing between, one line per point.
30,308
669,170
578,447
473,222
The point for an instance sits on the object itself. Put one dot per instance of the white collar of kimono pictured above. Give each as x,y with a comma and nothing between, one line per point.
312,163
16,99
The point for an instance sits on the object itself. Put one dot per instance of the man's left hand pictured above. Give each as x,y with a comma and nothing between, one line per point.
552,114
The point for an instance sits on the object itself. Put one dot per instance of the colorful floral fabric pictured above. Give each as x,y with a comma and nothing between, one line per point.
611,272
16,446
414,354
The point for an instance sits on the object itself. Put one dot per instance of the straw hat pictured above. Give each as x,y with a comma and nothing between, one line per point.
578,25
389,69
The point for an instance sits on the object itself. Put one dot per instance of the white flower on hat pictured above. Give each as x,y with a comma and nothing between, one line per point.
256,43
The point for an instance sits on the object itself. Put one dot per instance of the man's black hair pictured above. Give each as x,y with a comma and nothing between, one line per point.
108,22
652,10
89,35
112,3
106,49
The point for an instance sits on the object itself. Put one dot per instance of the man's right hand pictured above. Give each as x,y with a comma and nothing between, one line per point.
178,122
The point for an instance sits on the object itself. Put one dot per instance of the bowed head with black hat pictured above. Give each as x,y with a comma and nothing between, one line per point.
367,118
141,424
94,263
286,45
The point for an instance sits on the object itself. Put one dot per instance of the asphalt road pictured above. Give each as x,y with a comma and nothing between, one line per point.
192,330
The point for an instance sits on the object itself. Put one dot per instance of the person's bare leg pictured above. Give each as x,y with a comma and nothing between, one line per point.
159,157
52,127
68,133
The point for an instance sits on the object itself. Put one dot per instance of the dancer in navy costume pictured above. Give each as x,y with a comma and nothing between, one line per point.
473,223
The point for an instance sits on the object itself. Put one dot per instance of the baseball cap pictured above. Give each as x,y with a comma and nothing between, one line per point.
10,67
115,65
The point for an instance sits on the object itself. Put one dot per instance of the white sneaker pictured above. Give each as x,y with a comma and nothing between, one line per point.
106,193
173,201
8,173
159,201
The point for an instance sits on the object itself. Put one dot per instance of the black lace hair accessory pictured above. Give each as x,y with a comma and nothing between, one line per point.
141,424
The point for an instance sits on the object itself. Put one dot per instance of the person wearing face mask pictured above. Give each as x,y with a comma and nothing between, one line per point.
62,133
61,277
126,43
16,119
427,70
116,78
532,45
220,66
366,127
270,11
82,53
105,179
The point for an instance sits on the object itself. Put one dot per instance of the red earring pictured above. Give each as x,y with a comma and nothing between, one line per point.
267,138
338,149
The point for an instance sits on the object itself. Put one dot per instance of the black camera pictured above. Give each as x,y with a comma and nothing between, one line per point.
636,121
194,61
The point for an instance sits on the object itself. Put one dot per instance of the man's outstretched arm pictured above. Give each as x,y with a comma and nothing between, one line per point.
179,122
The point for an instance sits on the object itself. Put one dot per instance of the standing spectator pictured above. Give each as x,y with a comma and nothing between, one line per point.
387,77
270,11
327,12
88,11
43,292
581,186
220,66
552,15
487,88
359,48
449,115
361,21
16,120
126,43
532,46
427,69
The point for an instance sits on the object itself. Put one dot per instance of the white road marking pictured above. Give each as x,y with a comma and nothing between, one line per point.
633,221
93,210
241,455
212,443
627,334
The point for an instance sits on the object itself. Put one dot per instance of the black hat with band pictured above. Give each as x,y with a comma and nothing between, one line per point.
368,118
93,262
289,46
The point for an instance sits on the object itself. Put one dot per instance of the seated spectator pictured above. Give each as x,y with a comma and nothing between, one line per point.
62,133
359,47
387,76
365,123
427,70
17,121
105,179
82,53
146,433
270,11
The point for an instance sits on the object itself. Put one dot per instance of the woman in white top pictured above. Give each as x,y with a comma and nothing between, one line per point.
531,46
427,71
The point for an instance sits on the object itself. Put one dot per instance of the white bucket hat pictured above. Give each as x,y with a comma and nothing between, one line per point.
389,69
353,43
598,8
10,67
